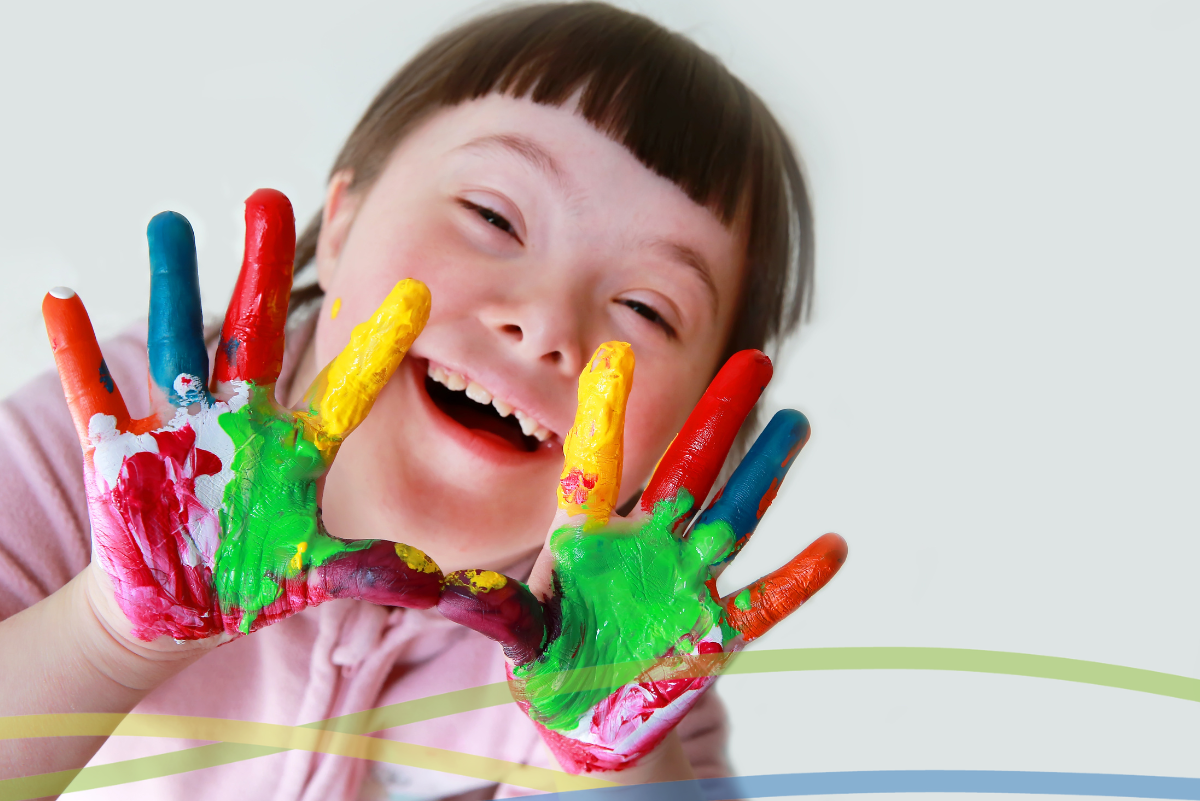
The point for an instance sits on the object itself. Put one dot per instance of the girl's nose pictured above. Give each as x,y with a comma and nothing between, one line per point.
547,333
516,335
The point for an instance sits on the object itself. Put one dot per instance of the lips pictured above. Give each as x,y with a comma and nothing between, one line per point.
476,408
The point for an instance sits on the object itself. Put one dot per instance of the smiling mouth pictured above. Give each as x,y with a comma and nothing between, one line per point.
513,429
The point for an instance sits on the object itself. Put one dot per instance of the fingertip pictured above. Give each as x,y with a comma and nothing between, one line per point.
413,293
265,200
271,228
613,356
172,245
57,305
411,297
833,547
788,431
64,312
750,365
169,228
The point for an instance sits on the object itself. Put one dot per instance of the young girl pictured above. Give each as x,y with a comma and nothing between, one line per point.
573,185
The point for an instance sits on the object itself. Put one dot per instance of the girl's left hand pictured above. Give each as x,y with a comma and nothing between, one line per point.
205,516
621,628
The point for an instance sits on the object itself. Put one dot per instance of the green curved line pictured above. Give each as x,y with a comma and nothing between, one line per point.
748,662
967,660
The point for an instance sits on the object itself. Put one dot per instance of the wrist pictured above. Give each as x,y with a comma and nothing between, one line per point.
103,640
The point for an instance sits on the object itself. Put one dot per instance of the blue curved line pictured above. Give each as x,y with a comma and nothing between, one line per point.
898,781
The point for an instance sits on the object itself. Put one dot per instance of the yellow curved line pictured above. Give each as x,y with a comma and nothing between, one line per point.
373,720
275,736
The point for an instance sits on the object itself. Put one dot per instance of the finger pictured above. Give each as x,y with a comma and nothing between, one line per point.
178,358
591,476
344,393
88,385
754,609
694,459
388,573
744,499
251,346
497,607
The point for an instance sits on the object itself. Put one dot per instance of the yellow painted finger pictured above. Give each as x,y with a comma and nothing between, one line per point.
343,394
591,476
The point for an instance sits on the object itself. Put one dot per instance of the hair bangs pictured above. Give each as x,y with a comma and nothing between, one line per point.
672,105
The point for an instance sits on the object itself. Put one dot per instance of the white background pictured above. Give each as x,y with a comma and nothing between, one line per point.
1001,371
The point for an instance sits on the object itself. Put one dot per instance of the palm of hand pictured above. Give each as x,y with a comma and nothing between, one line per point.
204,514
634,629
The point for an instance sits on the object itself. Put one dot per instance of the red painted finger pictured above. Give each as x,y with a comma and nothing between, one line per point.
693,460
251,346
88,385
756,608
497,607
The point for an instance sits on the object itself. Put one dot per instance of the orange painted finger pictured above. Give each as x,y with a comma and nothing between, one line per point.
591,476
88,385
756,608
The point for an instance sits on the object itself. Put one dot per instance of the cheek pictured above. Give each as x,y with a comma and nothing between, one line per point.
376,256
657,410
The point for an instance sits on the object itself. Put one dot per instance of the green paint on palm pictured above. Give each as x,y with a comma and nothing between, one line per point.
269,515
742,601
630,592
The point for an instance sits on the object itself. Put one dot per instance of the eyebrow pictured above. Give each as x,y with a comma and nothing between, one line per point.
690,257
523,147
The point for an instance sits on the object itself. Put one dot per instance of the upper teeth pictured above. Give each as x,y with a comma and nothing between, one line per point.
458,383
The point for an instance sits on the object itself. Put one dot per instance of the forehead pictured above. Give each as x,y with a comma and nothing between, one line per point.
588,173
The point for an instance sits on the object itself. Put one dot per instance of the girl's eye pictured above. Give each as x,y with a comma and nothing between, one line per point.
491,217
650,314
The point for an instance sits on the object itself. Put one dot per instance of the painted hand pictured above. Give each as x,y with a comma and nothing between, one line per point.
204,514
630,629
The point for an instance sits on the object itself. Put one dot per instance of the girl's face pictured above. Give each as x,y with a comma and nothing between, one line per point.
539,238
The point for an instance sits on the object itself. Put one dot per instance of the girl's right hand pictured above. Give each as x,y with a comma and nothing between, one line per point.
205,523
621,628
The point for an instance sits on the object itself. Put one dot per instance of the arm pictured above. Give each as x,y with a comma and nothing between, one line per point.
203,515
59,656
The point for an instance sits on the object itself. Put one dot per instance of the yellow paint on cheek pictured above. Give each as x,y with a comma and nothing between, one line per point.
591,476
334,308
355,377
415,559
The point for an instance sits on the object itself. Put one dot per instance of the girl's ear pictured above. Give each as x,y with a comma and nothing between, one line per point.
341,205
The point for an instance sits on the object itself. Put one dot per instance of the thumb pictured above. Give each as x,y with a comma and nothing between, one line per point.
387,573
502,609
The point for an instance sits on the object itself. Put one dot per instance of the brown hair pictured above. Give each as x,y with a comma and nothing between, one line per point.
671,104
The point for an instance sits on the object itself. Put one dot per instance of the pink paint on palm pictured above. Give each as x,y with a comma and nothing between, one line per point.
631,721
158,555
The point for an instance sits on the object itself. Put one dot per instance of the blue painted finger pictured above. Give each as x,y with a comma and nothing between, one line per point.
178,359
744,499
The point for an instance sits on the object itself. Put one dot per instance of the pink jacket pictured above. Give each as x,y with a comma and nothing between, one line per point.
336,659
